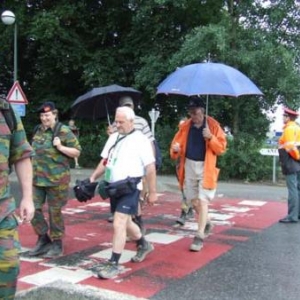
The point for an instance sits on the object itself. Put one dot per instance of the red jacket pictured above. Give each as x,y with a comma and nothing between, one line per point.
214,147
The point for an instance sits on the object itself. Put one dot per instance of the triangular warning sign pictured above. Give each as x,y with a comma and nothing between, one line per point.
16,94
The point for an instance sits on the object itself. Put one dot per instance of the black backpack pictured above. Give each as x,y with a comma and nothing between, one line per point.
9,115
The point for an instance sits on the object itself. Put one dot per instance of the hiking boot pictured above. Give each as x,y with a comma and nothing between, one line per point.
55,250
110,219
142,252
181,220
197,244
108,270
42,246
190,213
208,228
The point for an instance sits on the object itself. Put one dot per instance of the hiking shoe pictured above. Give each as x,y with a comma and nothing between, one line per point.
208,228
197,244
181,220
110,219
142,252
190,213
108,270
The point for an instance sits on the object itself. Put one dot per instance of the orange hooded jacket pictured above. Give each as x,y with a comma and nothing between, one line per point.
214,147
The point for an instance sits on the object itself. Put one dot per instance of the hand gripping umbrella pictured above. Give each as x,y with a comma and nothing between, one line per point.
100,102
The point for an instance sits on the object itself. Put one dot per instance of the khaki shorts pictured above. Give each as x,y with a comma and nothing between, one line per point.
193,182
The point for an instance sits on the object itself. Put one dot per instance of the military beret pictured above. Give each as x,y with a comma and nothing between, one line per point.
290,112
46,107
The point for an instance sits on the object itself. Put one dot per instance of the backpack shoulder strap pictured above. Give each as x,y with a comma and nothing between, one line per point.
56,129
9,116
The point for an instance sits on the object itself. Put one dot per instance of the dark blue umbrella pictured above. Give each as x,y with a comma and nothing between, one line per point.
208,79
100,102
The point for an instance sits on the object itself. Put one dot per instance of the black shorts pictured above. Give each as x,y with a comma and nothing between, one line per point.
127,204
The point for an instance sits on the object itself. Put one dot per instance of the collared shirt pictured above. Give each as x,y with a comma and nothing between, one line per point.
50,166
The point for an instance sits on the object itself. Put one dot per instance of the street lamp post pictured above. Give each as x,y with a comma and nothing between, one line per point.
9,18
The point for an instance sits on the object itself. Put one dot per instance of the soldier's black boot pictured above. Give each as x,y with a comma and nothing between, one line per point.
181,220
42,246
55,250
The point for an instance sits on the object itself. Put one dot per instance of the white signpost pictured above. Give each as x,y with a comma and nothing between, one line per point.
274,153
153,114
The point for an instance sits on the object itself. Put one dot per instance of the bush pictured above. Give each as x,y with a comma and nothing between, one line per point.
243,161
92,140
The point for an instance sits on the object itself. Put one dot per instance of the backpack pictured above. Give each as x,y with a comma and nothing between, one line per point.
9,115
10,119
56,129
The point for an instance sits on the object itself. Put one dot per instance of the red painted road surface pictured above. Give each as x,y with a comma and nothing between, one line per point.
88,242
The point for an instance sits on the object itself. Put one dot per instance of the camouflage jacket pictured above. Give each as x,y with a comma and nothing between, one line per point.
50,166
13,147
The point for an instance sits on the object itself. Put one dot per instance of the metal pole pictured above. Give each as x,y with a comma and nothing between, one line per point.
274,169
16,53
153,122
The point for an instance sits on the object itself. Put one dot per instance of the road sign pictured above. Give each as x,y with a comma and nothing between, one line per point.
20,109
270,152
16,94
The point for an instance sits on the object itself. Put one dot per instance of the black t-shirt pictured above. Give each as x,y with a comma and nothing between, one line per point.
195,149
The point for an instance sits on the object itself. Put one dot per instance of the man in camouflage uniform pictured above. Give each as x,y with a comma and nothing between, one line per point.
51,178
14,150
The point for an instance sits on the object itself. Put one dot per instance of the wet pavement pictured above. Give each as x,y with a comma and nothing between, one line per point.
249,255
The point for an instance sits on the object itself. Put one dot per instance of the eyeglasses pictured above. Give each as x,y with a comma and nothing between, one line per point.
285,115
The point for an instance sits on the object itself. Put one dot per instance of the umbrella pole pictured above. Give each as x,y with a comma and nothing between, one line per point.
206,111
107,114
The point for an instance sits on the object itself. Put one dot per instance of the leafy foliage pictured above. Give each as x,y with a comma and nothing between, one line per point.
66,48
243,160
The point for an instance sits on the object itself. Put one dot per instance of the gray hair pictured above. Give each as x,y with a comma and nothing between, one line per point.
127,111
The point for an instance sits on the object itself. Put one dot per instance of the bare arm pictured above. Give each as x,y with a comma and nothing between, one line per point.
24,172
98,171
69,151
151,181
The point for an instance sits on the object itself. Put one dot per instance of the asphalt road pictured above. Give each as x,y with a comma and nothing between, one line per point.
259,191
265,267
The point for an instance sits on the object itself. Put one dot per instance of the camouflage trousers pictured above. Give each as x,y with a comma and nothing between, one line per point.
56,198
9,257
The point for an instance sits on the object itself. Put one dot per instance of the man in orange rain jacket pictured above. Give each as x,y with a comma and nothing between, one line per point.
289,158
197,144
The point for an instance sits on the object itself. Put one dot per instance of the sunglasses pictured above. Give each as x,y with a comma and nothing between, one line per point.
285,115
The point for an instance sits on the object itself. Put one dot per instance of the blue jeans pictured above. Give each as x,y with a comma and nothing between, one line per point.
293,185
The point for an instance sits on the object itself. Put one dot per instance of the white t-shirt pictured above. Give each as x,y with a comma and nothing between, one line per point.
128,157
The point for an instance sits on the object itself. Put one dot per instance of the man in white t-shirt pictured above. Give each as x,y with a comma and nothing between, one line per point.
142,125
127,153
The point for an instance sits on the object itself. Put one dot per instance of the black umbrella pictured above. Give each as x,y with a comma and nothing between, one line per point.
100,102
